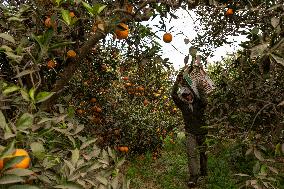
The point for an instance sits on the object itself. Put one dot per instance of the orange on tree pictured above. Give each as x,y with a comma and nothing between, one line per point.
123,148
229,12
71,54
93,100
80,111
121,31
96,109
51,64
140,88
145,102
129,8
128,84
125,78
167,37
71,14
1,164
25,163
47,22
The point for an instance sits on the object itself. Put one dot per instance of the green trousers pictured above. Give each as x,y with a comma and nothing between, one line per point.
197,159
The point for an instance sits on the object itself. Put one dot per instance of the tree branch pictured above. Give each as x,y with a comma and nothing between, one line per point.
71,68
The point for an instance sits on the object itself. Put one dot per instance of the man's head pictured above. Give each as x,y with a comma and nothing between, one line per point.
186,94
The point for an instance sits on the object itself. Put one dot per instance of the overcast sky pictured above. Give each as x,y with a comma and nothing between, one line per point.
185,24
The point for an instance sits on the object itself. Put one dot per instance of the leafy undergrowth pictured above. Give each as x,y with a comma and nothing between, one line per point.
169,171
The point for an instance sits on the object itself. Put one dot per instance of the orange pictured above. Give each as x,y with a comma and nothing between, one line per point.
71,54
80,111
97,109
229,12
93,100
51,64
129,8
140,88
25,163
167,37
47,22
123,149
121,31
126,149
125,78
128,84
145,102
71,14
1,164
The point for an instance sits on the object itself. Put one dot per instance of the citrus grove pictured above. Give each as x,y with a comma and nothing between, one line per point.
83,86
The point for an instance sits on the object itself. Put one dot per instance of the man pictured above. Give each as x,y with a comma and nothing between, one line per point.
189,94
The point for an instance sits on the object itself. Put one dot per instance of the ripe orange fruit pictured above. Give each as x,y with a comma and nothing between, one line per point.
80,111
25,163
167,37
71,14
123,149
145,102
125,78
129,8
93,100
121,31
140,88
51,64
229,12
47,22
128,84
126,149
97,109
1,164
71,54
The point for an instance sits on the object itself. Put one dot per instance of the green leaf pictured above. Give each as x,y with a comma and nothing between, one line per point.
102,180
25,72
19,172
75,156
14,57
62,44
66,17
69,186
8,150
32,93
11,89
25,121
7,37
25,95
43,96
9,179
89,8
23,187
38,149
6,48
98,8
278,59
88,143
13,161
3,123
258,155
58,2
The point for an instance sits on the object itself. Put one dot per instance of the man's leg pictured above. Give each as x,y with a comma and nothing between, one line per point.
203,157
193,158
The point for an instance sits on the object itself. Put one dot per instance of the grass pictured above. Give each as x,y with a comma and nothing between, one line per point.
170,170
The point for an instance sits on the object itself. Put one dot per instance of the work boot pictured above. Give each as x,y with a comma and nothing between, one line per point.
192,181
